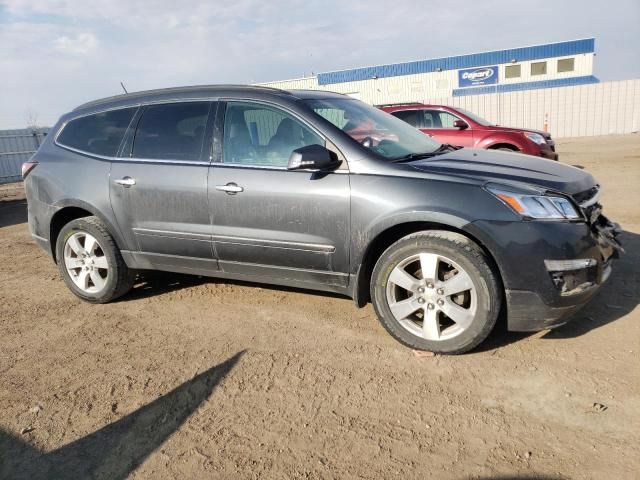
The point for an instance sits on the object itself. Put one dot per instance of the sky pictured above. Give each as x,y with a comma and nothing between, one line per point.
57,54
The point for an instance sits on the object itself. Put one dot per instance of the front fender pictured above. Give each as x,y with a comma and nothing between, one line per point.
492,140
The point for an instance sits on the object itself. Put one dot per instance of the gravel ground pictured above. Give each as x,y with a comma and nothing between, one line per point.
189,377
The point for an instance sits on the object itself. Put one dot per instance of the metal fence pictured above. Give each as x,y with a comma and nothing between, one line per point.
16,147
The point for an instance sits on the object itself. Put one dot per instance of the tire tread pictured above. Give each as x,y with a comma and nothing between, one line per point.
481,261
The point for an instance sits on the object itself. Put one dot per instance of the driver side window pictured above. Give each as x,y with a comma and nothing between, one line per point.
263,136
438,119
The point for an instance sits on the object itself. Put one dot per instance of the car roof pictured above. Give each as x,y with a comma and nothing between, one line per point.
201,92
410,106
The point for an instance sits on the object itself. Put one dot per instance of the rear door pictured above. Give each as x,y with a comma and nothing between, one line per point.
439,124
159,187
291,226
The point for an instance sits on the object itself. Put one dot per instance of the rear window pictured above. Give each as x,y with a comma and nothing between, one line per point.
100,133
172,131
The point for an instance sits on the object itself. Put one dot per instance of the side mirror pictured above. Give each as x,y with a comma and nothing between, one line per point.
313,157
461,124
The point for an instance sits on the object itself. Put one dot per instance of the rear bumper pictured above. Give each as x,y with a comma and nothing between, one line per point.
43,243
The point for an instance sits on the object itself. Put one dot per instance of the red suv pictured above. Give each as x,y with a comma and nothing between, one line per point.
457,126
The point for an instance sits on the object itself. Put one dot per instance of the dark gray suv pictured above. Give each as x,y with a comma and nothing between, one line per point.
317,190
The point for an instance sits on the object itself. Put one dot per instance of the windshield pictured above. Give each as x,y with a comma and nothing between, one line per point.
382,133
479,120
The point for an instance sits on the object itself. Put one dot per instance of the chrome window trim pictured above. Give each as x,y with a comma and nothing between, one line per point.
270,167
133,160
191,162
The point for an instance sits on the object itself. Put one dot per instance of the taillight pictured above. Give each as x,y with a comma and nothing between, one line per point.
27,167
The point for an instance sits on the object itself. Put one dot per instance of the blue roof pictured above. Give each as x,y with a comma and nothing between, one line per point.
550,50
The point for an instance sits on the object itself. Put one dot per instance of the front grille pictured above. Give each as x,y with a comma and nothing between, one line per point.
587,197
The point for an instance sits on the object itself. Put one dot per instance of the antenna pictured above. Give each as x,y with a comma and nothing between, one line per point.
123,88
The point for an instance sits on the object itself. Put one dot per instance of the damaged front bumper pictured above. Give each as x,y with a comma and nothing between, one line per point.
550,269
576,280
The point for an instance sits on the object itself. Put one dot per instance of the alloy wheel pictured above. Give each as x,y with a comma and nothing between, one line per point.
86,262
431,296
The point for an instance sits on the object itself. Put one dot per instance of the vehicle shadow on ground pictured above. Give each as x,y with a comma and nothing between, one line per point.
619,296
13,212
518,477
114,451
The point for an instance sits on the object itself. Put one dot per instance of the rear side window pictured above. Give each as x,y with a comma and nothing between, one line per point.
412,117
100,133
172,131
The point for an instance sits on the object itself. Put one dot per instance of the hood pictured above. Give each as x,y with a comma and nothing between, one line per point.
498,128
508,168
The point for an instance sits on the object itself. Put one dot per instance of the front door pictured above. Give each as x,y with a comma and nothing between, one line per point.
271,222
159,188
439,124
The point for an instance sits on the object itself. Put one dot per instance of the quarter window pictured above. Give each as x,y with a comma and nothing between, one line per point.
566,65
100,133
172,131
539,68
512,71
260,135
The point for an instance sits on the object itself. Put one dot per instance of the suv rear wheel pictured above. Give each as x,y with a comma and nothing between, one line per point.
91,263
436,291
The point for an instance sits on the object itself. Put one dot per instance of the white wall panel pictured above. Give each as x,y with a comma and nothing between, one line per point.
583,110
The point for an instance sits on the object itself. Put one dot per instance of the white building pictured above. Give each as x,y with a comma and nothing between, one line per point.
548,86
515,69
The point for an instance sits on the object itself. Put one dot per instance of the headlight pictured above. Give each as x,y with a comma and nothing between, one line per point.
537,205
535,138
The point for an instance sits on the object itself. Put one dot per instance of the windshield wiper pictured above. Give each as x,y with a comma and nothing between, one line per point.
445,147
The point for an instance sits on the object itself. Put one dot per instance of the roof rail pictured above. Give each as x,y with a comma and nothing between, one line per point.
160,91
401,104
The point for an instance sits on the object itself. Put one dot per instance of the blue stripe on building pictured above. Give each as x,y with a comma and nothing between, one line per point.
515,87
562,49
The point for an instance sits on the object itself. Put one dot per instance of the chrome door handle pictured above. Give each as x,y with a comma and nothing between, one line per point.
230,188
126,181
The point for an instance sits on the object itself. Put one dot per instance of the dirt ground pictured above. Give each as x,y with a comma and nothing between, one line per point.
189,377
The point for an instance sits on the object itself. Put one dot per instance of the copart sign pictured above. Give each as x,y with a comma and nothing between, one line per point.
472,77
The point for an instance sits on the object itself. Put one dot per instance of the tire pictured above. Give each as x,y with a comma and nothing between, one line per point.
81,270
447,255
507,149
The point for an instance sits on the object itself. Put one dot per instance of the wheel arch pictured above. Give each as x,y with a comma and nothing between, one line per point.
507,145
71,210
384,239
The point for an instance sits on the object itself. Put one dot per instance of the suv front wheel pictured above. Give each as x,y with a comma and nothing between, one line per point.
436,291
90,261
